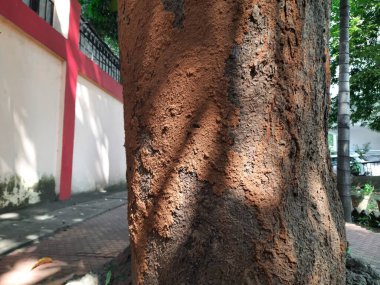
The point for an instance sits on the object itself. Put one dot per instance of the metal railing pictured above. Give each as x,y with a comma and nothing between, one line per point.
92,46
44,8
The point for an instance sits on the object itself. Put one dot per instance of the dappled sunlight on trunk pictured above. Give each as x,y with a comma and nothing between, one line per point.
221,100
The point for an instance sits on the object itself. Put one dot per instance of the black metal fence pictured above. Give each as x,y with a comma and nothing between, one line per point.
90,43
92,46
44,8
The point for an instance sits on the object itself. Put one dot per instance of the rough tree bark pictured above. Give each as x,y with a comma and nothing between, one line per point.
343,169
225,122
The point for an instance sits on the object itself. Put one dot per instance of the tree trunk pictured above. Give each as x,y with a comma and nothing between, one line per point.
225,121
343,169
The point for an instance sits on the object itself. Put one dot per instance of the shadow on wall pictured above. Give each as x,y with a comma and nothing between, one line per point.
99,158
30,92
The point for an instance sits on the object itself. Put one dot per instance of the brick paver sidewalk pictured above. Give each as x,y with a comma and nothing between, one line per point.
82,248
364,244
88,246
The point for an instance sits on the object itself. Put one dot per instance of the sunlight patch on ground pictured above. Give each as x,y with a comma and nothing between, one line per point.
9,216
43,217
32,237
21,273
77,220
6,243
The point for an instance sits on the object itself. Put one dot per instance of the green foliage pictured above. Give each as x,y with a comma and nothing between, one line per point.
355,168
364,221
367,189
348,250
108,277
330,141
363,150
372,204
364,34
102,15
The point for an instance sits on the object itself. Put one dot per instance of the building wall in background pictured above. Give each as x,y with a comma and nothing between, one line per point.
61,117
31,90
363,135
61,17
360,136
99,157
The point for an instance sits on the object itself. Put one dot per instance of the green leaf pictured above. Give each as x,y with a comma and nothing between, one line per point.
364,35
108,277
113,5
102,15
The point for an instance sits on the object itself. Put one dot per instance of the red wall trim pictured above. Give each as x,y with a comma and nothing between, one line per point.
28,21
77,63
68,132
87,69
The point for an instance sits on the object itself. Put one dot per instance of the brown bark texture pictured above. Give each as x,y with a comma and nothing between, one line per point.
227,160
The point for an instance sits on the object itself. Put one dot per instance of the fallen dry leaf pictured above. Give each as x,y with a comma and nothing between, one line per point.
41,261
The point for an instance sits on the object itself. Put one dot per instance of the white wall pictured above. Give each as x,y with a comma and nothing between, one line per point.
61,18
362,135
99,156
31,91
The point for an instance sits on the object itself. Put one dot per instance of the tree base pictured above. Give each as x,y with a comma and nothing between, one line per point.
358,272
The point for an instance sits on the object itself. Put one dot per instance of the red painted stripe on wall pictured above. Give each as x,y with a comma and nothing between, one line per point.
72,46
97,75
29,22
77,63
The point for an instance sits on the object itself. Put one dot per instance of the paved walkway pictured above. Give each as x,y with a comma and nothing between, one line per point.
364,244
78,249
22,227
